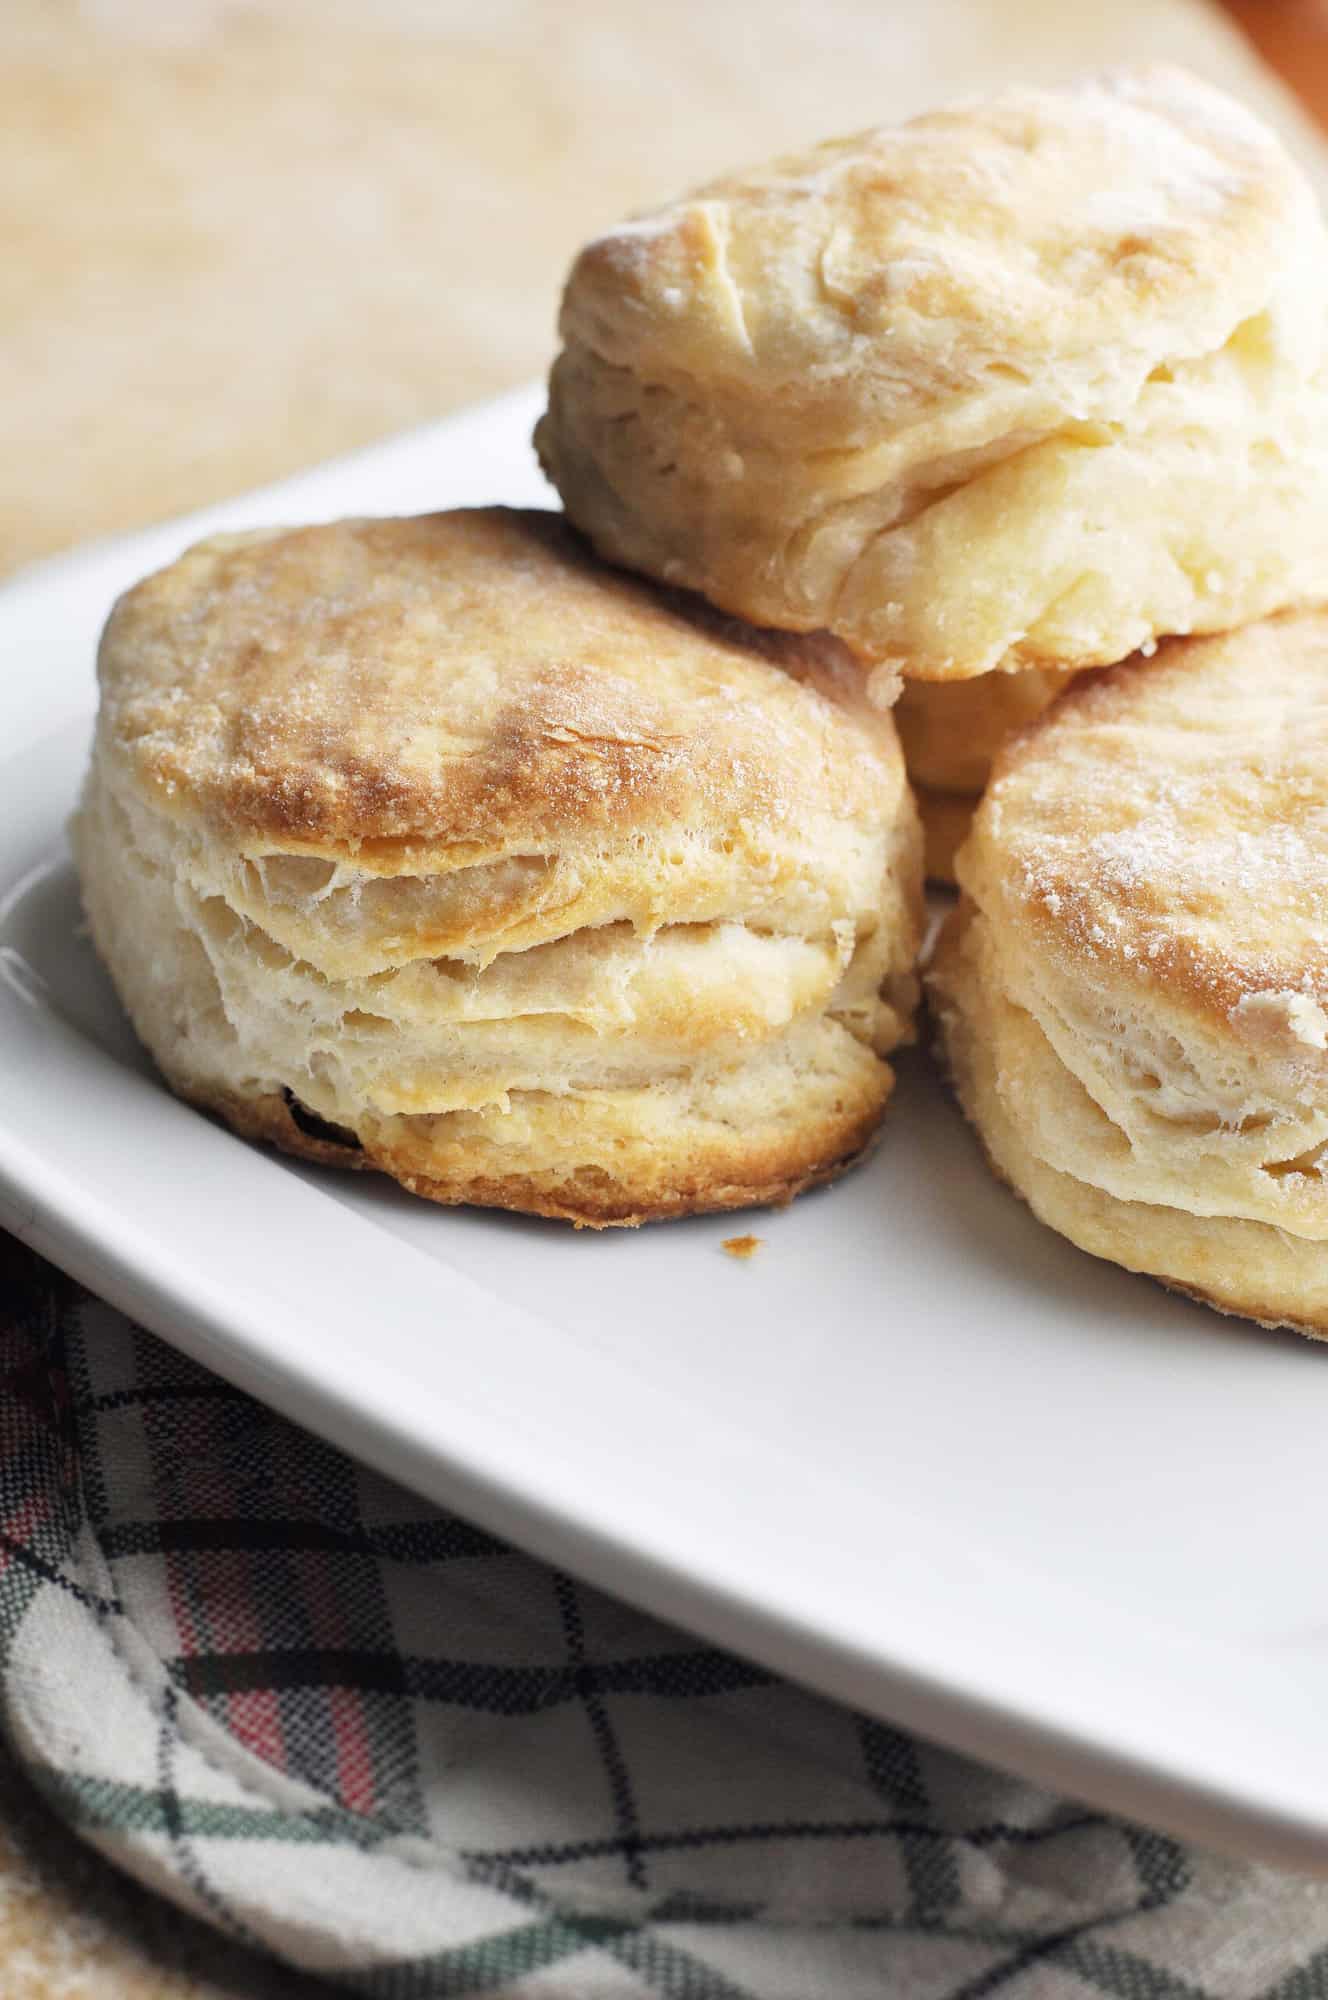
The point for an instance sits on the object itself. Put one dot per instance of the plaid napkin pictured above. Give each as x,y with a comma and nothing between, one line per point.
360,1734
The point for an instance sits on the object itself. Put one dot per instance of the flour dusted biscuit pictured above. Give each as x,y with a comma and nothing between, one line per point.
1133,992
427,845
1031,381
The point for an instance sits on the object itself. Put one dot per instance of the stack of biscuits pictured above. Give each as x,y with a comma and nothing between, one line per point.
572,864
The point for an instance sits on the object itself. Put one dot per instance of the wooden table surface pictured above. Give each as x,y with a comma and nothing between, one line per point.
237,236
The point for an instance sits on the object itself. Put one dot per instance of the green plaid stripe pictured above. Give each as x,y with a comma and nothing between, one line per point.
288,1686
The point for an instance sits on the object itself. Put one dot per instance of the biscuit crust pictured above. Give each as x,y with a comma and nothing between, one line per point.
946,818
652,1187
463,684
951,732
428,846
1031,381
1134,989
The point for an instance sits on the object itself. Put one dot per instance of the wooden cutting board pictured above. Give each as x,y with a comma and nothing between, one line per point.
235,238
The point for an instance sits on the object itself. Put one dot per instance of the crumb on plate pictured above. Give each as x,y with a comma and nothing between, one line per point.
742,1246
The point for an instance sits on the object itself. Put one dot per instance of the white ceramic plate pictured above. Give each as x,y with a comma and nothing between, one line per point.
918,1452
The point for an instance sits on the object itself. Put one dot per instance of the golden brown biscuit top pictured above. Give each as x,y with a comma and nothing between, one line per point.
468,681
1167,822
1039,244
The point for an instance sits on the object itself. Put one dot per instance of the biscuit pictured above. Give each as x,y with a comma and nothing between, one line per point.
1028,382
429,846
946,818
1133,992
951,731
